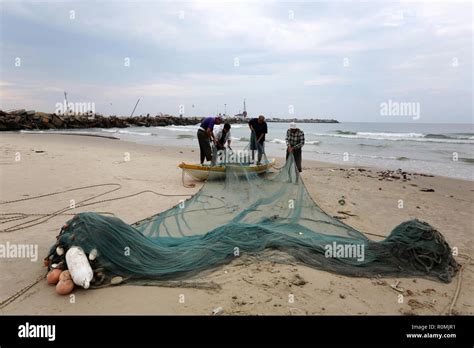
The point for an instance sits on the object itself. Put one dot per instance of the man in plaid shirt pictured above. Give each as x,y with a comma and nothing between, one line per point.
294,143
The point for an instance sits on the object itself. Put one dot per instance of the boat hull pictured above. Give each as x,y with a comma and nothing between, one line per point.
200,172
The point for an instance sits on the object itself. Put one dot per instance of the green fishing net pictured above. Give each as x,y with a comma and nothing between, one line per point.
256,216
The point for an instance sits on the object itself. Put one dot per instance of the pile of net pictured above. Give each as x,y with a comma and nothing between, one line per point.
249,214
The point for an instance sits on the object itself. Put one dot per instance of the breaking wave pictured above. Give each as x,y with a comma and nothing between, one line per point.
459,138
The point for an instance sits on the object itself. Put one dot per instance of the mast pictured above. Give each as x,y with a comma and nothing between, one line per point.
135,107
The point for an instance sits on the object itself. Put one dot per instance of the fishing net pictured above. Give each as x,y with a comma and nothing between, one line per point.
252,215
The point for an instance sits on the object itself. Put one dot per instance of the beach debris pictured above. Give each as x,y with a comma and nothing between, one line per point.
427,190
348,213
342,296
78,265
217,311
116,280
342,200
298,280
380,282
388,175
53,276
396,287
415,304
425,175
428,291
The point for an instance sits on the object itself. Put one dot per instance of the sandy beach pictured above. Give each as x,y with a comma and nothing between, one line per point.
40,164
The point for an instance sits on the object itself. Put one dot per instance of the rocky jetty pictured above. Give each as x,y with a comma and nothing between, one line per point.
32,120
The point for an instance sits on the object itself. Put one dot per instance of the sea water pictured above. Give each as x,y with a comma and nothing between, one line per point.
439,149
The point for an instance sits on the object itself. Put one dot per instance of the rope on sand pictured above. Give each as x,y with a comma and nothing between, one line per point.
456,294
20,292
458,286
42,218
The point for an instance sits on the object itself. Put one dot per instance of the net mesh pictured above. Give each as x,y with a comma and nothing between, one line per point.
246,213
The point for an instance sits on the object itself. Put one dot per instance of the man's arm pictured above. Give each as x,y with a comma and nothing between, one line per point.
210,133
250,126
264,131
301,142
288,135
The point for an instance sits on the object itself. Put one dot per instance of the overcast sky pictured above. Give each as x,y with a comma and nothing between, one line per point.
319,58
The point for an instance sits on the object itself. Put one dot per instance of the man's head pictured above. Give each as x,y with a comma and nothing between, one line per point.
226,127
218,120
293,127
261,119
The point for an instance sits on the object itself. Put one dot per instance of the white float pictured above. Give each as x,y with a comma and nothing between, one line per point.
79,267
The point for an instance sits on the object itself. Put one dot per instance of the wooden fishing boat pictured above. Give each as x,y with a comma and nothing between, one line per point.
202,172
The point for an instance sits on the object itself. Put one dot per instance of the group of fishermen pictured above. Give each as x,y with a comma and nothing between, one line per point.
220,137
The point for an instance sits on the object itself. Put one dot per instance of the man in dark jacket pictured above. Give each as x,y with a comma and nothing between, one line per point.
258,128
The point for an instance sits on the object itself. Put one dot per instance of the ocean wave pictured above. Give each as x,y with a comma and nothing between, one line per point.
33,131
109,130
180,128
354,155
133,133
456,136
466,138
281,141
345,132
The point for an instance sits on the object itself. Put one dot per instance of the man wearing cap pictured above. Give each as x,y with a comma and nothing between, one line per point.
294,143
205,135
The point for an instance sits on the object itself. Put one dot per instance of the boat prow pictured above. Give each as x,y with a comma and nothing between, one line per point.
202,172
